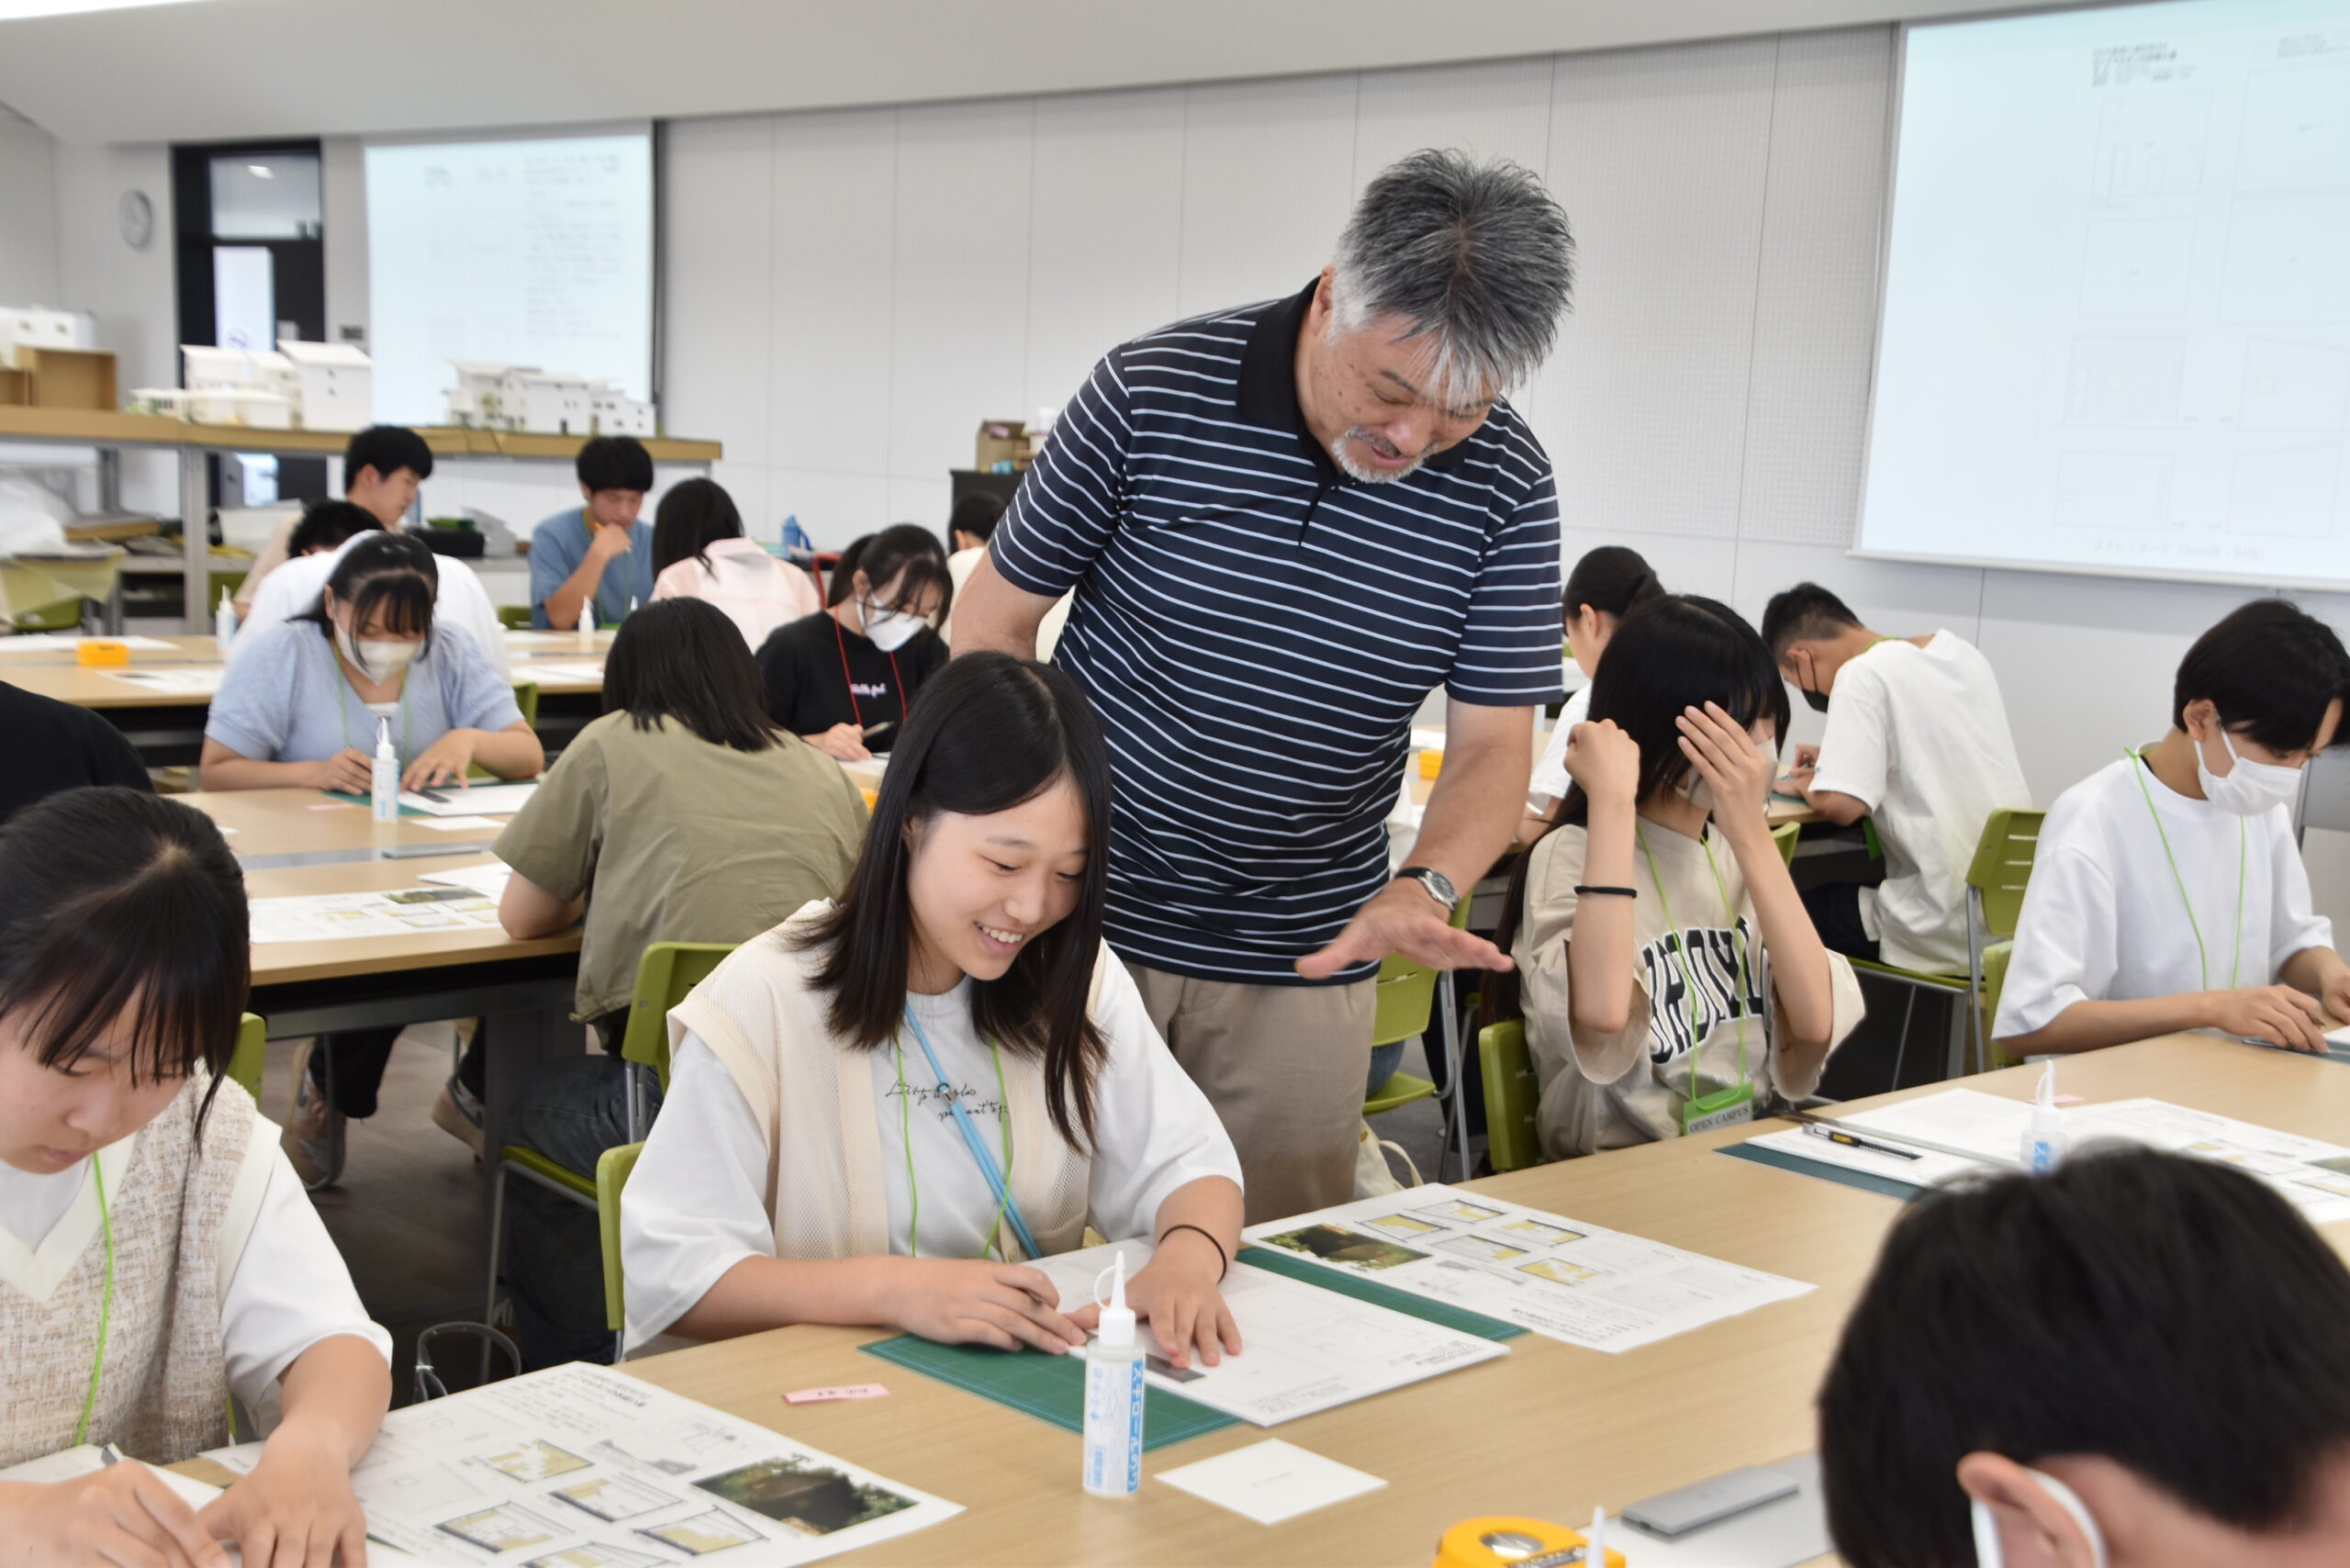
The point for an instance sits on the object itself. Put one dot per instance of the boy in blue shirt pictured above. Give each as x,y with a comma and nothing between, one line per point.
596,558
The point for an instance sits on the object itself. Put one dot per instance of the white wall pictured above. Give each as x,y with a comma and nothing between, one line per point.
28,215
849,292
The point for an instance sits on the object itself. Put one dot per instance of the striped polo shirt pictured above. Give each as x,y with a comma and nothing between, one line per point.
1257,630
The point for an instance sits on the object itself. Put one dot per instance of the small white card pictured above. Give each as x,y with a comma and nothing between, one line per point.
460,824
1272,1481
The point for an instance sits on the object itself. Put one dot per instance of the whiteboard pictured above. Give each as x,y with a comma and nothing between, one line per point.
525,249
2115,334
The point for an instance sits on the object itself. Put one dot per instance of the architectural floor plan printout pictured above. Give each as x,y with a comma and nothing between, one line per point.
1601,1289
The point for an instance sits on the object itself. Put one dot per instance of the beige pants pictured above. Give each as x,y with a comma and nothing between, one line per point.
1283,1065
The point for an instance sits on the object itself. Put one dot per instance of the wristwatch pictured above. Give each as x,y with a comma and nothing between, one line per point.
1438,885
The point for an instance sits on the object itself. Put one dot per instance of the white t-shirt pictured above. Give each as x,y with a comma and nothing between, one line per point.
285,1286
2103,920
959,567
757,592
697,1201
1550,781
292,589
1919,736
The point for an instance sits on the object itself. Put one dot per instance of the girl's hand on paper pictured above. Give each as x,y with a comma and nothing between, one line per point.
351,770
442,762
124,1513
959,1302
295,1507
1175,1294
2277,1013
842,742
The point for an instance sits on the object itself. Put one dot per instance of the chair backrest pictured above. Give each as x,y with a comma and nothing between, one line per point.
613,1168
1512,1093
663,975
1405,993
2002,866
1995,981
514,617
245,1061
1785,837
525,698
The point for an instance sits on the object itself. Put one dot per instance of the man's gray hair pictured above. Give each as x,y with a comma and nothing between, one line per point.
1477,257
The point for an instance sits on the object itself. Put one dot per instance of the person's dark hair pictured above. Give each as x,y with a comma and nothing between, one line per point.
390,575
326,524
909,548
2150,1309
691,517
843,573
2271,669
987,733
1804,613
615,463
977,515
1611,579
387,449
115,902
1674,652
683,659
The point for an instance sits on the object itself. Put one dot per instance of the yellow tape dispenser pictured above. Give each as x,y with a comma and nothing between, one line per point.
1502,1541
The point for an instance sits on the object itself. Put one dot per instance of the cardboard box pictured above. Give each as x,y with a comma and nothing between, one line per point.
1002,441
16,388
69,378
35,326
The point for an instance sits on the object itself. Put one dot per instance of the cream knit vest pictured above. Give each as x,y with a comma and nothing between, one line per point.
814,1100
163,1393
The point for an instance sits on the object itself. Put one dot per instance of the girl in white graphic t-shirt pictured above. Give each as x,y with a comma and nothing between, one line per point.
1669,978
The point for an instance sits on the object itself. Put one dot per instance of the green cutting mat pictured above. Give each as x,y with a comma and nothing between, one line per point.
366,800
1866,1180
1051,1388
1274,1260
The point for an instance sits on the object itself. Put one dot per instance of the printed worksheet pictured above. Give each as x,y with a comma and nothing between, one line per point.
1601,1289
2314,1177
197,681
488,880
1307,1349
329,917
471,800
583,1467
544,670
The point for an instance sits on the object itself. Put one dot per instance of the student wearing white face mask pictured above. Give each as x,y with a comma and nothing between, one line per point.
2128,1363
1668,975
299,709
842,679
2168,893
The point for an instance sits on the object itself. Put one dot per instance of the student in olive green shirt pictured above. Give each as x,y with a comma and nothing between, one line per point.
683,814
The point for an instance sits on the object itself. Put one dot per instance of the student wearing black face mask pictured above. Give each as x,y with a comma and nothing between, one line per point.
1917,742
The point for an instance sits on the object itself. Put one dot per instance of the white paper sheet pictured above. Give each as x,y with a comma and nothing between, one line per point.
2313,1176
327,917
488,880
472,799
68,1464
1272,1481
583,1467
1307,1348
33,641
200,680
554,670
1601,1289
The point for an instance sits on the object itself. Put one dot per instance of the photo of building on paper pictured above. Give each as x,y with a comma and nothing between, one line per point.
1337,1244
809,1498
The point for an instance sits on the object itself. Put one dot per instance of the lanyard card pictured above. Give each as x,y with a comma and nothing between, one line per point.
1727,1107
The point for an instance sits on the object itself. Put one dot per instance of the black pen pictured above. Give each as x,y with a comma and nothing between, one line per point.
1836,1135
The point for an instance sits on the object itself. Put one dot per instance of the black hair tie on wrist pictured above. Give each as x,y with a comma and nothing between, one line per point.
1583,891
1222,1256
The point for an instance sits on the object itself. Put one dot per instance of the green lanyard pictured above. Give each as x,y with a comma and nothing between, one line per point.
106,1304
2203,959
906,1138
342,709
1688,974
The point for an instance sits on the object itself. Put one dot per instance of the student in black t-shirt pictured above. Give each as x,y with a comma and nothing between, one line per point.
54,746
842,679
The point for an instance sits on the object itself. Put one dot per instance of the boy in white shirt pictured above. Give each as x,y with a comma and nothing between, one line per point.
1917,741
2167,893
382,467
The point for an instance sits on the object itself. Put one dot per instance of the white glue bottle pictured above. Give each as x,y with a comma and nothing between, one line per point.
224,623
1114,1397
385,783
583,629
2043,1139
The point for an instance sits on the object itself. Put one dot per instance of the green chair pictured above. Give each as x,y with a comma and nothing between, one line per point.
613,1168
1995,981
1512,1094
525,698
1785,837
1995,885
514,617
63,615
663,975
245,1061
1404,1001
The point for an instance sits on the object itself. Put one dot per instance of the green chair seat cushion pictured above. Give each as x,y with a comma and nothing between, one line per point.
1401,1089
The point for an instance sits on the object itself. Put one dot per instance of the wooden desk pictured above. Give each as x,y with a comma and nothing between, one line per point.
1549,1429
179,651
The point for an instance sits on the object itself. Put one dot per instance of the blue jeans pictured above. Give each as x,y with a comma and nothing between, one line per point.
1384,1061
574,1109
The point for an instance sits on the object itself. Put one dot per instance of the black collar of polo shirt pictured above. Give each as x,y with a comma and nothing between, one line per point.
1268,387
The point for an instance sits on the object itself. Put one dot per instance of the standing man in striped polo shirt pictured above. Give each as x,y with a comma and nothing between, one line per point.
1285,524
